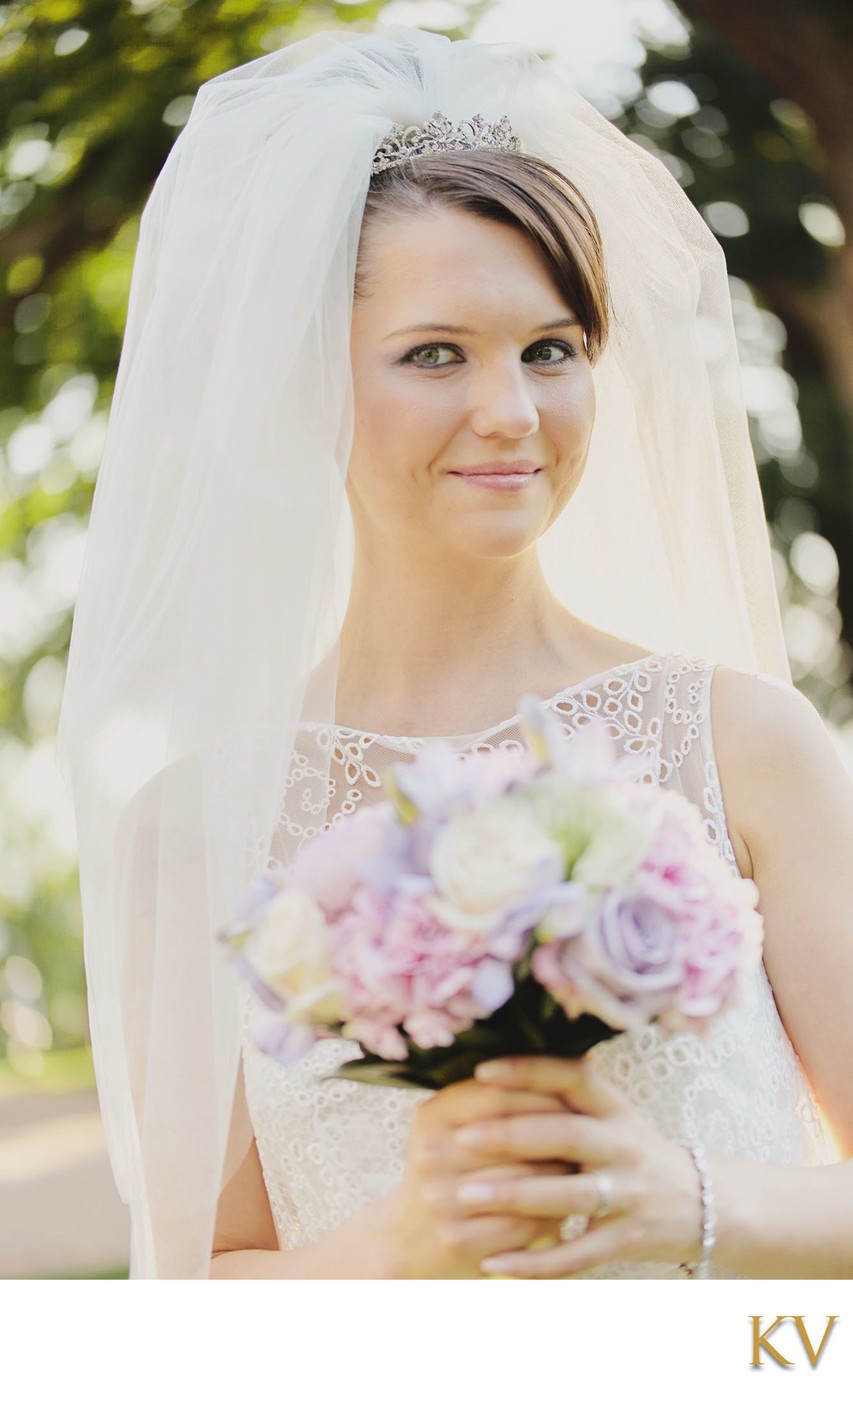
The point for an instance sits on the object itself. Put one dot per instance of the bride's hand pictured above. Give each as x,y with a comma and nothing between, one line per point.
433,1234
650,1182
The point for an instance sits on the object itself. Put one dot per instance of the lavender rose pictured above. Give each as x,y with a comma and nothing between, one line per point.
626,965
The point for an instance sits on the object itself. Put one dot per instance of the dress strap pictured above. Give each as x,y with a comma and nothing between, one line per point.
688,754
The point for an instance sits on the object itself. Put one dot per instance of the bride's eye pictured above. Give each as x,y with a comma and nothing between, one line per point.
427,356
567,353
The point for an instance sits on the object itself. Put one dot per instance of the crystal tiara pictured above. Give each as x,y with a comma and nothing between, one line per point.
440,134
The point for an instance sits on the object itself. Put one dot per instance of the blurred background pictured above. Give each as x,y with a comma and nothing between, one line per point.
750,107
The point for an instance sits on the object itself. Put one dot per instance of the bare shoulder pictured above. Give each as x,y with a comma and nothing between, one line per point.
758,715
775,756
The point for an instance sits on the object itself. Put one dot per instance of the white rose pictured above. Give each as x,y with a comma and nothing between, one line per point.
288,949
487,860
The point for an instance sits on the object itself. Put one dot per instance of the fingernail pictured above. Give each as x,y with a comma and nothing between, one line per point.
471,1136
475,1193
496,1069
496,1266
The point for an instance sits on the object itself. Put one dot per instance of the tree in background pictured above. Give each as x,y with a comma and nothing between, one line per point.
806,53
753,109
92,94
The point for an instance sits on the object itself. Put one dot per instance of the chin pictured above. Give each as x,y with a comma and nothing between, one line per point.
501,540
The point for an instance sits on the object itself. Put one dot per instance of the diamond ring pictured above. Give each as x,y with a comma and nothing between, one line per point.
605,1186
576,1224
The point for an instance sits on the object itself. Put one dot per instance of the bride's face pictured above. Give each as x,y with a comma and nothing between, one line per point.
465,357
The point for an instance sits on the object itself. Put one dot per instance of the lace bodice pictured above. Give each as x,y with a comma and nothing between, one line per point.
328,1147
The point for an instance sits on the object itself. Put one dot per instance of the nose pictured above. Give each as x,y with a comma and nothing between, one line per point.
502,404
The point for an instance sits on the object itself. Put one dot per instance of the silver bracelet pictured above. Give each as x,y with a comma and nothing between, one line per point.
709,1217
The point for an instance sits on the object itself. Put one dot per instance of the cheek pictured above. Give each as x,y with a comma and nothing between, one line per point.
396,422
380,466
374,426
571,416
570,420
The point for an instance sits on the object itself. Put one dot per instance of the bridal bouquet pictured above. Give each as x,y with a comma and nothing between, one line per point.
528,901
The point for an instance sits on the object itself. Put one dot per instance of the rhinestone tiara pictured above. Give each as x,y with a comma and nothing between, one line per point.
440,134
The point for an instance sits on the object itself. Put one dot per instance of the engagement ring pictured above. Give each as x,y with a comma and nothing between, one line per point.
604,1185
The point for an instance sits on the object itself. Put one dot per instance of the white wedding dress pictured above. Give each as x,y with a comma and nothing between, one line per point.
329,1146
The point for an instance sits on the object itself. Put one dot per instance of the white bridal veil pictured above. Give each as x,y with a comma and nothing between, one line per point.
218,558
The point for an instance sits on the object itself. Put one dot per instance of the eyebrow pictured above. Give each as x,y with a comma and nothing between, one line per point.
469,331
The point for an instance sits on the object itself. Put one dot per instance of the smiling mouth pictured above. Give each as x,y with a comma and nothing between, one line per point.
510,480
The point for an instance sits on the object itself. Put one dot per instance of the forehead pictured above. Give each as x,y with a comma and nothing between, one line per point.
450,258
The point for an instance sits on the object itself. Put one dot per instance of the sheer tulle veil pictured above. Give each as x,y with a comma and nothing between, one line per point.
219,552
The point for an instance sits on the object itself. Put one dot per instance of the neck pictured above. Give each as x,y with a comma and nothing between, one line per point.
434,642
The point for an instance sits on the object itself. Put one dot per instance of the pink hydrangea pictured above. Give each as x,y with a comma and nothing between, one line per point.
400,967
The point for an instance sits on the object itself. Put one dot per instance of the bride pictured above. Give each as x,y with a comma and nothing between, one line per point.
420,410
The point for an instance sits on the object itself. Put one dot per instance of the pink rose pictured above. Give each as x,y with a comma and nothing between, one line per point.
680,867
723,950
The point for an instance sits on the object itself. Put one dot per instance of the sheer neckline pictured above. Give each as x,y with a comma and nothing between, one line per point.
583,683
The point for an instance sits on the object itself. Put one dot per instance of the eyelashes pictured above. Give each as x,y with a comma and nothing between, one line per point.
569,354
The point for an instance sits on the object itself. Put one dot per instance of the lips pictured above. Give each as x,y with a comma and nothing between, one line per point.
501,479
507,476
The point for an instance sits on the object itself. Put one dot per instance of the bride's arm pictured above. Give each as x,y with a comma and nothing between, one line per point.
245,1242
790,800
246,1245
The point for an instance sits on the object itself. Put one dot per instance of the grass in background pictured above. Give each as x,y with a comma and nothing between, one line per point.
62,1071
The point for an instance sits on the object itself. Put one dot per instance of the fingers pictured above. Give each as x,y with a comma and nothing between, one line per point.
562,1136
477,1238
576,1081
459,1103
466,1236
442,1192
607,1241
537,1196
432,1146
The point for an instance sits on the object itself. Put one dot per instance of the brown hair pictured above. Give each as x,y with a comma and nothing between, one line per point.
514,189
